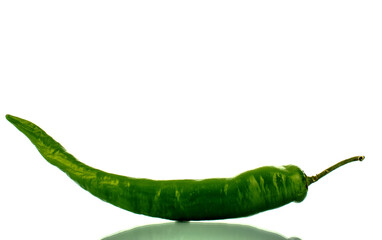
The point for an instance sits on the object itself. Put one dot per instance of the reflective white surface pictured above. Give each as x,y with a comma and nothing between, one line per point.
196,231
198,89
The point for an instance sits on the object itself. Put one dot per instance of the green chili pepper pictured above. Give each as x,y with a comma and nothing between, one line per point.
248,193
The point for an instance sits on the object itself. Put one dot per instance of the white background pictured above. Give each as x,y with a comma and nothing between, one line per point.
191,89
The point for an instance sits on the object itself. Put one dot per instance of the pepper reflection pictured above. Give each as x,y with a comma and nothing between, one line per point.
196,231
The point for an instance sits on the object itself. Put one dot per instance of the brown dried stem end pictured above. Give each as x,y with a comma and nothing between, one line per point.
332,168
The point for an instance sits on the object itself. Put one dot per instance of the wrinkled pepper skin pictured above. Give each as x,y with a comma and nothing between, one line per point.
248,193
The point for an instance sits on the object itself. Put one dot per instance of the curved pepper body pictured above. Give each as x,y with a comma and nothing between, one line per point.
249,193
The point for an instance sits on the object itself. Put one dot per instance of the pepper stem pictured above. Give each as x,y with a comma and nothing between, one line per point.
315,178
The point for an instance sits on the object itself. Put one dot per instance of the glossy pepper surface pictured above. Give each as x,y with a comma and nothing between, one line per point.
246,194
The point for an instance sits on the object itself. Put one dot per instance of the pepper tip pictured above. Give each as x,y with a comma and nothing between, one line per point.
9,117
